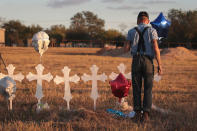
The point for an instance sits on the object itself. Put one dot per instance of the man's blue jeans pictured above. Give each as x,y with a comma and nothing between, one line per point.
142,67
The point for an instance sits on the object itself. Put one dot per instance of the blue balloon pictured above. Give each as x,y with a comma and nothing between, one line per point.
161,24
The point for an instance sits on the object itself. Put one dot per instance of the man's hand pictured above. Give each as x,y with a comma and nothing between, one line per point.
127,46
160,70
157,55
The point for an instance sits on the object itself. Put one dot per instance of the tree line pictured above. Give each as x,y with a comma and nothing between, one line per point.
183,27
84,26
88,26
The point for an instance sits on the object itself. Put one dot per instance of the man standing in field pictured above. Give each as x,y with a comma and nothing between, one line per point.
142,40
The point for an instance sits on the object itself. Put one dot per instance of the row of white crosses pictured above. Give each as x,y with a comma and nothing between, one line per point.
39,77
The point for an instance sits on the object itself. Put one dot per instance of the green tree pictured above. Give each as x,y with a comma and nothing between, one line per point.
183,27
114,35
31,30
76,35
57,32
89,23
14,32
78,22
18,33
35,28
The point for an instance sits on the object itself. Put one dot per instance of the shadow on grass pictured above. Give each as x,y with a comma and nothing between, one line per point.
175,92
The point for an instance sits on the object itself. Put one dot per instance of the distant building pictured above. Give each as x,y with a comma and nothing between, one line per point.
2,37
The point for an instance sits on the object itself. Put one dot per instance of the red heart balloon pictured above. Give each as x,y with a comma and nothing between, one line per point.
120,86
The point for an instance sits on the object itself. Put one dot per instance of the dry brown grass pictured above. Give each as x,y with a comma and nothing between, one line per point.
177,92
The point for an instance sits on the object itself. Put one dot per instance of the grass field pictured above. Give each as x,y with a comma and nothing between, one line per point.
177,91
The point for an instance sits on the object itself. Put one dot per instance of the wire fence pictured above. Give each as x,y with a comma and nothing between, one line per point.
103,43
87,43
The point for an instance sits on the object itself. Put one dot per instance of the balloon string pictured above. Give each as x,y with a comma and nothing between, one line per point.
40,59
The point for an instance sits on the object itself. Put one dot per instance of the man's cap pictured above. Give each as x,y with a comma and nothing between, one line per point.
143,13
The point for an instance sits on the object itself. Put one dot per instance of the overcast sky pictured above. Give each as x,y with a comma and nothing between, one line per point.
114,12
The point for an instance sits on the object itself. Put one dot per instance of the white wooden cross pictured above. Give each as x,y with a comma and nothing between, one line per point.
39,77
19,77
94,78
67,79
122,69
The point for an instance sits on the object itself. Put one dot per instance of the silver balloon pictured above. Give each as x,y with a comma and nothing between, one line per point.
40,41
8,89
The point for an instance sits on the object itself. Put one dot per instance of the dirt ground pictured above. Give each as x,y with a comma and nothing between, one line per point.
177,91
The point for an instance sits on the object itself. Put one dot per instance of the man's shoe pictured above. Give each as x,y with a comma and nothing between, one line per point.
145,117
137,116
